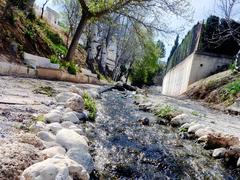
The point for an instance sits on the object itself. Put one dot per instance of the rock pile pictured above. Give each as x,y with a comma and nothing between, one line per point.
66,150
223,145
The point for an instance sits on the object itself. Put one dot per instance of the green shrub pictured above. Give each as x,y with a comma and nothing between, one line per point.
90,105
55,60
167,112
59,49
30,32
54,37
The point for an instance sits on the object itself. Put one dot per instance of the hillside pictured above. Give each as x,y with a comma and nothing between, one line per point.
32,35
220,91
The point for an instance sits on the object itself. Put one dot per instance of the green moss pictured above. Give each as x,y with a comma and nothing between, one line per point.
90,105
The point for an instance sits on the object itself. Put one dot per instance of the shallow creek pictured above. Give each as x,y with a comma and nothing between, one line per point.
125,149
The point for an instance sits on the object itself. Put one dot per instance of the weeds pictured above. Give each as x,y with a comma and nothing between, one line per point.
167,112
45,90
90,105
230,92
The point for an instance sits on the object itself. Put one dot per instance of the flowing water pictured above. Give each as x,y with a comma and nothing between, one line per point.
123,148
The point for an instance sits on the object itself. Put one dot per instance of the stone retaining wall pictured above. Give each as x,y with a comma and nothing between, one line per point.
9,69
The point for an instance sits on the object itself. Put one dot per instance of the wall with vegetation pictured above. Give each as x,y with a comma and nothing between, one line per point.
187,47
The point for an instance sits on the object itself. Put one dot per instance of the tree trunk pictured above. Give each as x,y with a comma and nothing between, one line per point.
76,37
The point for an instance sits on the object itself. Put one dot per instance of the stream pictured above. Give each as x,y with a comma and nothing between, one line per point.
123,148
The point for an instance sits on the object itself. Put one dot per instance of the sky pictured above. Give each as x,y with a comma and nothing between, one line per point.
202,8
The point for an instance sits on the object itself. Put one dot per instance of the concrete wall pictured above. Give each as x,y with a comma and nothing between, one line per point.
176,80
16,70
195,67
206,65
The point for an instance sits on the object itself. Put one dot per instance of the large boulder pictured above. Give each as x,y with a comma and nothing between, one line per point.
81,156
53,151
75,103
65,96
70,139
56,168
71,116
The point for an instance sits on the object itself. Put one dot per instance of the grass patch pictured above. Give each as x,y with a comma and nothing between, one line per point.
167,112
39,118
45,90
230,91
90,105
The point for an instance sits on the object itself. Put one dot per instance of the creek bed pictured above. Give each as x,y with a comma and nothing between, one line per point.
123,148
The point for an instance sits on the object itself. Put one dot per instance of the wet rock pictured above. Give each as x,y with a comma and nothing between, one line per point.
82,116
232,155
219,153
193,128
238,162
75,103
179,120
186,126
161,121
65,96
81,156
58,167
53,151
70,139
119,86
71,116
129,87
204,131
144,121
52,117
54,127
46,136
183,135
218,140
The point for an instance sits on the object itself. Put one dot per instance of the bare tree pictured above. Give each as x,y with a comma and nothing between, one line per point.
43,7
229,8
72,14
133,9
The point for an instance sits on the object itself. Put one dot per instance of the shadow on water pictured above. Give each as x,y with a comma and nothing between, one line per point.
125,149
